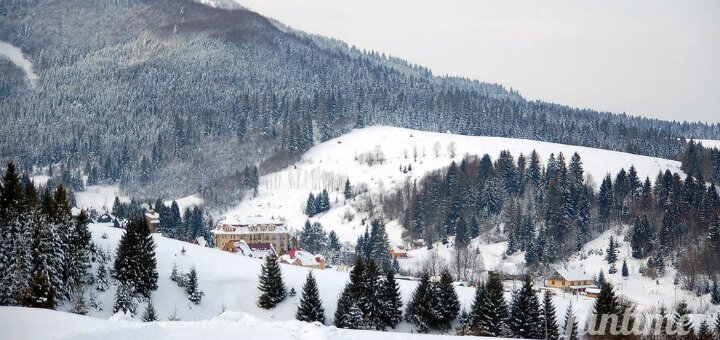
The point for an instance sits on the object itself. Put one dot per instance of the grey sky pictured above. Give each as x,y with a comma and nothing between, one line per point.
652,57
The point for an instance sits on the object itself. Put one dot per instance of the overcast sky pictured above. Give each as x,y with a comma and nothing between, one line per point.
652,57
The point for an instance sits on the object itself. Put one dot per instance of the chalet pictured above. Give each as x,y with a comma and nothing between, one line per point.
592,292
302,258
574,280
252,231
153,220
259,250
398,252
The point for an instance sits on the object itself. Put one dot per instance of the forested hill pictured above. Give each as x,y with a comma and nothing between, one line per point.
145,92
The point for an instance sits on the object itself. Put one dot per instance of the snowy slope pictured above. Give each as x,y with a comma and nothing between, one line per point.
230,283
21,323
326,166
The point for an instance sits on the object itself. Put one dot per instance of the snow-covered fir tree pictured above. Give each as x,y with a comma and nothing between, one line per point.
310,308
525,319
194,294
271,284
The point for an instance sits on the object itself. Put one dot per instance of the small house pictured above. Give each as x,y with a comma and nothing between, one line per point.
302,258
570,280
153,220
398,252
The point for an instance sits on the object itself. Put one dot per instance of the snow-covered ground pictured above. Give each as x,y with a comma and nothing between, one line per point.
22,323
709,143
230,284
16,55
327,165
99,197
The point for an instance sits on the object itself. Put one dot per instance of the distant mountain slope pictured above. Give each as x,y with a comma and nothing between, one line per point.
145,92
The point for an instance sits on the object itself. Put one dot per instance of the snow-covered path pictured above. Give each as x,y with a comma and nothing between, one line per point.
16,55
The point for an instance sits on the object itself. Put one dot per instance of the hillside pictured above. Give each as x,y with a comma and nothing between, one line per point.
143,92
283,194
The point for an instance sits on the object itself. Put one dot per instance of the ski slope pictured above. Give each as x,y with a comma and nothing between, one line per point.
327,165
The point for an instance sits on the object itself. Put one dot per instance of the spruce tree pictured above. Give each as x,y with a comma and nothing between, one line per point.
715,293
605,304
625,271
525,316
271,284
101,278
310,308
368,297
703,332
491,314
149,314
347,192
191,287
681,319
391,300
419,310
611,255
380,246
570,328
447,306
124,301
347,313
41,293
79,306
550,327
717,325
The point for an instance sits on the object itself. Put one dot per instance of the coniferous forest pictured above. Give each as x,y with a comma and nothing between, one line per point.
155,112
551,209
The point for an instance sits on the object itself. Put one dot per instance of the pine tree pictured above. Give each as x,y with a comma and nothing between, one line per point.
191,287
101,278
78,250
124,301
681,319
368,297
41,293
271,284
149,314
491,315
312,237
391,299
611,255
717,325
334,241
550,327
135,263
79,306
703,332
380,246
448,305
343,317
715,293
347,192
605,304
525,316
570,327
625,271
310,308
419,310
310,208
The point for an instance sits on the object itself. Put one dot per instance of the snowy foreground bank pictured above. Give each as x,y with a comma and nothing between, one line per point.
22,323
